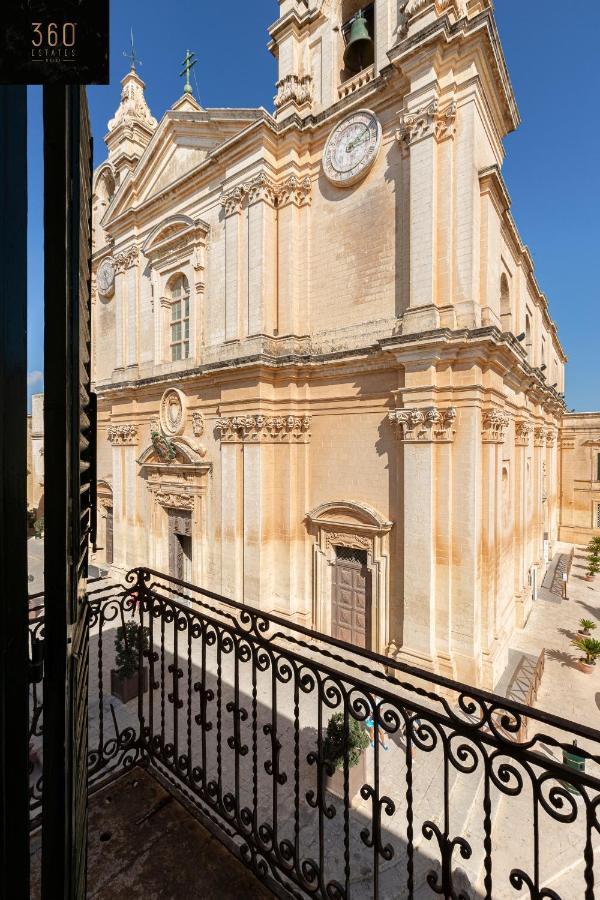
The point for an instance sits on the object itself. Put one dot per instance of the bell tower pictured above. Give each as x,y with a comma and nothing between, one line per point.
326,48
130,129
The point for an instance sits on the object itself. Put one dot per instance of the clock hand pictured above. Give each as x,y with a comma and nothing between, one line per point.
357,140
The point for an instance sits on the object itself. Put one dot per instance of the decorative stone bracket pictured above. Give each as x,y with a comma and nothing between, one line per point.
277,194
495,424
424,425
264,429
198,424
428,121
126,258
294,89
122,435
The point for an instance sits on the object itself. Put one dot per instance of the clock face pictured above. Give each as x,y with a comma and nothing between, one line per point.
105,277
352,148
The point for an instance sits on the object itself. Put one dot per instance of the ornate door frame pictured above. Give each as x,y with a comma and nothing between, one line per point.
345,523
178,484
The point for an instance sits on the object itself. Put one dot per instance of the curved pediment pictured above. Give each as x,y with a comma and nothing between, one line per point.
164,451
348,512
172,231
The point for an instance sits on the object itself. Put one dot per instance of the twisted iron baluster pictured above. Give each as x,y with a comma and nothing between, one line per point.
410,847
487,830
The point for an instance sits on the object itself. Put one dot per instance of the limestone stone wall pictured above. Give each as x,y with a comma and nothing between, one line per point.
580,477
371,365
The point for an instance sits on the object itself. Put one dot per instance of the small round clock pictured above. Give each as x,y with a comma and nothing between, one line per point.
352,148
105,277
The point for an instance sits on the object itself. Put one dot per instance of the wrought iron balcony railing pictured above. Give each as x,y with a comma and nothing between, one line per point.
457,793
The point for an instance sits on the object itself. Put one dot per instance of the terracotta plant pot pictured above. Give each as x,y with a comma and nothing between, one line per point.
127,688
586,667
357,776
589,577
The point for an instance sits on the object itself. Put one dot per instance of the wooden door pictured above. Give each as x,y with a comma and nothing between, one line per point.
351,598
180,544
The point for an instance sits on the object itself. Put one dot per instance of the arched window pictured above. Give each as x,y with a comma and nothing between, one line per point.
505,308
179,325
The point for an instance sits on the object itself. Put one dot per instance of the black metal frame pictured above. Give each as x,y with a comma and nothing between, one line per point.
14,838
234,719
69,435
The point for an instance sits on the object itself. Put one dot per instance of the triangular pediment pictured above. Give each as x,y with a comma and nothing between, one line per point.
185,137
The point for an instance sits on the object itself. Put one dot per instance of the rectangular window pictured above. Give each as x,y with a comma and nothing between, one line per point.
597,518
598,467
180,329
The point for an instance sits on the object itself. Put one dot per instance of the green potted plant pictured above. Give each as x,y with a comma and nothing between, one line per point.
591,648
339,741
125,678
593,566
586,626
38,528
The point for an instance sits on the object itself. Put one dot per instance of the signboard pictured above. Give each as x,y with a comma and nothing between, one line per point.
54,41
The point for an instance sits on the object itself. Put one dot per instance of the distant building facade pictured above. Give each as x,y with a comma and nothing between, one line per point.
35,456
580,477
329,384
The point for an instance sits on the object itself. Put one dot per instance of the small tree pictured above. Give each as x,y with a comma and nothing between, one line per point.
127,648
339,740
38,527
593,548
593,566
586,625
589,646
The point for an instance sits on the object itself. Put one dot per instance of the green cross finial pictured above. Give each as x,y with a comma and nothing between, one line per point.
133,55
188,63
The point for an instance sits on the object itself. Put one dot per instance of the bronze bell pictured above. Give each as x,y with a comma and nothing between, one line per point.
359,51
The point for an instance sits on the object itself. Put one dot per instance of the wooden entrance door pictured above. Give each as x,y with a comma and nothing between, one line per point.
109,535
351,598
180,544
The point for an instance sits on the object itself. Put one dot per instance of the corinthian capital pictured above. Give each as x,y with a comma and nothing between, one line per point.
424,425
427,121
522,431
495,424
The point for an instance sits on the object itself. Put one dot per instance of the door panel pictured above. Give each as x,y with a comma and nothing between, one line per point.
351,601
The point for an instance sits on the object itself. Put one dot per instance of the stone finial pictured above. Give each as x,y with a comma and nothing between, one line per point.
133,107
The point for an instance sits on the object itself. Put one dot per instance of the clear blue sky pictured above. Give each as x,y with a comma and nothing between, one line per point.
552,160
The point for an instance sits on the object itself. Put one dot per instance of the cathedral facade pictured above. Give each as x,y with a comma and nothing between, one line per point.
328,382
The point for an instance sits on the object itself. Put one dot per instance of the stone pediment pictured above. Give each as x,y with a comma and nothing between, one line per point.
185,137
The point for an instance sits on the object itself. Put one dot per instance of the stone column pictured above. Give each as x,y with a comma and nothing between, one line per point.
232,207
523,430
419,430
422,125
260,313
495,424
293,269
124,440
126,329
